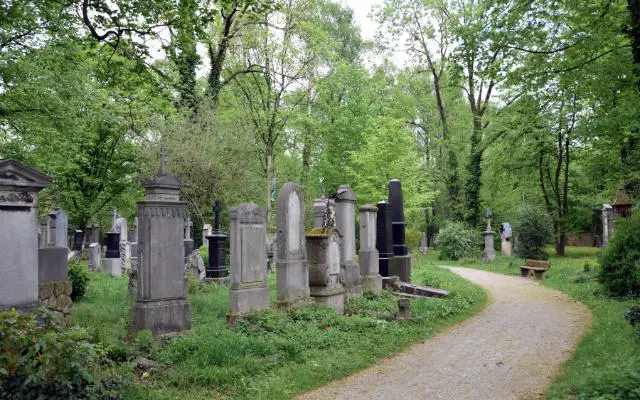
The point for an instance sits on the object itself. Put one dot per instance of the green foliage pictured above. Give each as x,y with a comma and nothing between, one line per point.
79,276
623,385
42,360
620,261
455,241
533,232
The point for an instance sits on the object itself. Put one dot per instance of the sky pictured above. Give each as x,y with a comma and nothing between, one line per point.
361,9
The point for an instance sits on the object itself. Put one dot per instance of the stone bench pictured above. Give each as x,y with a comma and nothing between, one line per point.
539,267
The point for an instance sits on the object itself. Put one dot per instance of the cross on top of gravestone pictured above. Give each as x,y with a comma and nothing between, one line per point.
217,209
161,171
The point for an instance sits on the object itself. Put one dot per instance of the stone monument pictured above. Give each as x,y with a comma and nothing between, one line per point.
95,256
607,224
189,244
292,270
248,237
346,225
161,305
217,265
506,234
206,231
384,238
401,263
424,244
323,254
371,279
19,188
58,225
489,253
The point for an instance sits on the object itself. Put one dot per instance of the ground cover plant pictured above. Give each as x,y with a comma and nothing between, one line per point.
269,355
606,364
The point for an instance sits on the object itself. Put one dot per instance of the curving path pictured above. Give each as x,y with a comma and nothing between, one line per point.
510,350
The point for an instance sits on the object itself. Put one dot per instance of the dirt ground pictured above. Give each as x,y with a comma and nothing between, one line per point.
510,350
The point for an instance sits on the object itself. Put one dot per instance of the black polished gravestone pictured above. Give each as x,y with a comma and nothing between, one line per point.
78,236
216,268
384,237
112,242
401,263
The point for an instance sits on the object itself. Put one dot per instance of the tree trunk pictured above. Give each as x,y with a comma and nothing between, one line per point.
472,187
270,175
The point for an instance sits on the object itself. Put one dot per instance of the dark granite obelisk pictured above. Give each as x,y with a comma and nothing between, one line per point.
384,237
401,265
216,267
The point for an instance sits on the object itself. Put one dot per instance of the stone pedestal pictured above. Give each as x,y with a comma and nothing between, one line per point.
401,265
371,279
384,238
248,237
217,264
292,270
346,225
506,247
489,253
323,255
19,188
161,304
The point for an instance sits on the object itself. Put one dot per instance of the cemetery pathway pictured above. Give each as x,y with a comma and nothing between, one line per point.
510,350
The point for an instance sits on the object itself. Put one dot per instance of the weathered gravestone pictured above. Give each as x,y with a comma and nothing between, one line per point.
489,253
206,231
401,263
124,245
248,236
505,234
323,254
424,244
324,213
161,305
19,188
43,232
189,244
217,268
56,254
58,225
95,256
607,224
292,270
384,238
346,224
371,279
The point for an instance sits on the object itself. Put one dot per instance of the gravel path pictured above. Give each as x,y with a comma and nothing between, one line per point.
510,350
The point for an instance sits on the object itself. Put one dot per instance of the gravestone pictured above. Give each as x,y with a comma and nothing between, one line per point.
371,279
424,244
78,236
19,188
346,225
607,224
217,265
401,262
189,244
489,253
161,302
206,231
43,232
384,238
54,287
506,234
196,266
88,235
95,256
292,270
248,236
112,263
323,254
58,225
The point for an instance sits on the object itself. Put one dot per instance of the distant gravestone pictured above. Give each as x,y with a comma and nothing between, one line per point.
371,279
161,303
505,235
384,238
19,188
424,244
189,244
112,263
292,270
217,265
607,224
401,262
206,231
59,225
489,253
248,239
95,256
323,253
346,225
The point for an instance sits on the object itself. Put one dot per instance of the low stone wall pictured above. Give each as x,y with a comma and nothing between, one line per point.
56,297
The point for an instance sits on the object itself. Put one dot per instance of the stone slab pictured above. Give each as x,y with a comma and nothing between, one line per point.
161,316
112,266
371,283
52,264
400,266
243,300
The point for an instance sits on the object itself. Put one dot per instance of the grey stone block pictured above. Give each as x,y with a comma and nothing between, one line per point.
112,266
161,316
243,300
52,264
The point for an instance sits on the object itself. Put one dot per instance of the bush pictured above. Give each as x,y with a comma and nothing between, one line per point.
620,272
532,234
455,241
40,360
413,237
79,277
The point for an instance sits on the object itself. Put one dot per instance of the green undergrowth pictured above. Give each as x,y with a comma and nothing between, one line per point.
606,364
270,354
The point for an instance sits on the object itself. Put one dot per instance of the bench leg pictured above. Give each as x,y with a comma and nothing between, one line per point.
539,275
524,272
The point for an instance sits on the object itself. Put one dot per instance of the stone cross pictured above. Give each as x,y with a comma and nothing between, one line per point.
19,188
248,240
489,253
346,225
292,270
371,279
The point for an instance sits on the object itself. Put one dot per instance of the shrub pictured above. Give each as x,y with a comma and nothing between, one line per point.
79,277
620,261
455,241
41,360
532,234
413,237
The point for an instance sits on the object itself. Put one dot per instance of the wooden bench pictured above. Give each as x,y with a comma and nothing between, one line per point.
539,267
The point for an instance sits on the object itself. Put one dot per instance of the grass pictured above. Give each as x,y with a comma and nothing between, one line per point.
267,355
610,349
